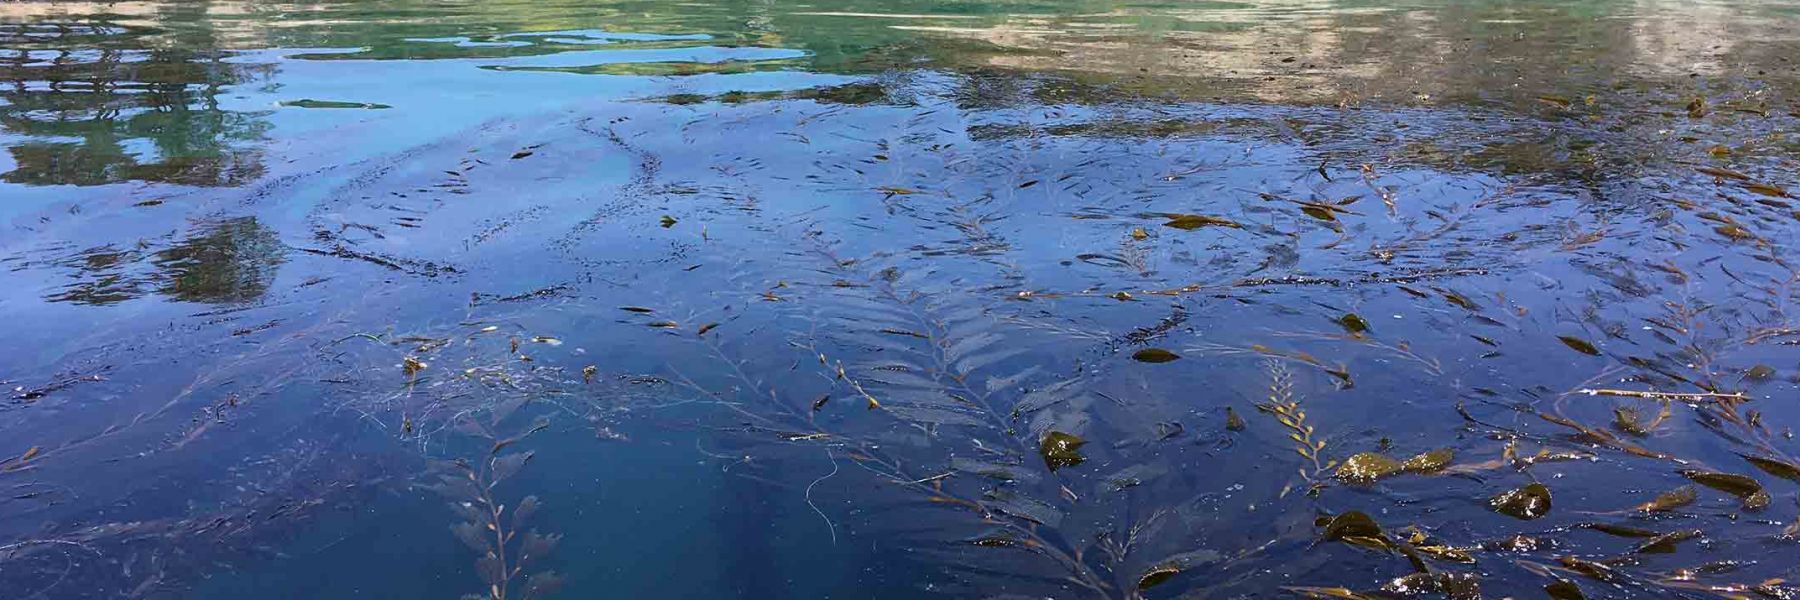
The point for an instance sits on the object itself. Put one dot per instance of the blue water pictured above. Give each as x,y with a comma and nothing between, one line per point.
810,301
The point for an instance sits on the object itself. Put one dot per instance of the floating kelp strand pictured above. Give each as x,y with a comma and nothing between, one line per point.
1774,467
1591,569
1430,461
1367,467
1454,586
1563,589
19,463
1627,419
1686,397
505,552
1745,488
1192,222
1060,450
1606,438
1288,280
1013,504
1619,530
1579,345
1355,528
1529,502
411,365
478,298
1284,405
1154,355
1157,575
1329,593
1666,543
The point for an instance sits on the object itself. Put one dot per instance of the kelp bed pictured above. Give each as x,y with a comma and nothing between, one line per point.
1020,335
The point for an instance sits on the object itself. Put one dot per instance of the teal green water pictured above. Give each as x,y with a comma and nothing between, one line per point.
845,299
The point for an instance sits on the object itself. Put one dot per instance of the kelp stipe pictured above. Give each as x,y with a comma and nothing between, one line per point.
1285,407
508,552
943,408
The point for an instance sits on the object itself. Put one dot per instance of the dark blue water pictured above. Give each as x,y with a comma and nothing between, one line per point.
874,300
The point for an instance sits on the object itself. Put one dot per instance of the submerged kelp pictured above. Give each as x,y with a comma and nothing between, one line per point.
901,300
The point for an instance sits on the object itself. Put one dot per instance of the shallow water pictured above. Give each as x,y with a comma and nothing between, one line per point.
1070,299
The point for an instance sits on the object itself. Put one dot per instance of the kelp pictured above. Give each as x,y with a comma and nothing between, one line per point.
1284,405
1529,502
1579,345
1430,461
507,552
1455,586
1061,450
1666,543
1192,222
162,556
1028,424
1368,467
1154,355
1357,528
1563,589
1745,488
1774,467
1670,500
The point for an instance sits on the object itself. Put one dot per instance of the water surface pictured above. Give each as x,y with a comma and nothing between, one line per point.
849,299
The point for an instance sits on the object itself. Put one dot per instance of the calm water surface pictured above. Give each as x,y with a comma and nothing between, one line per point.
900,299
